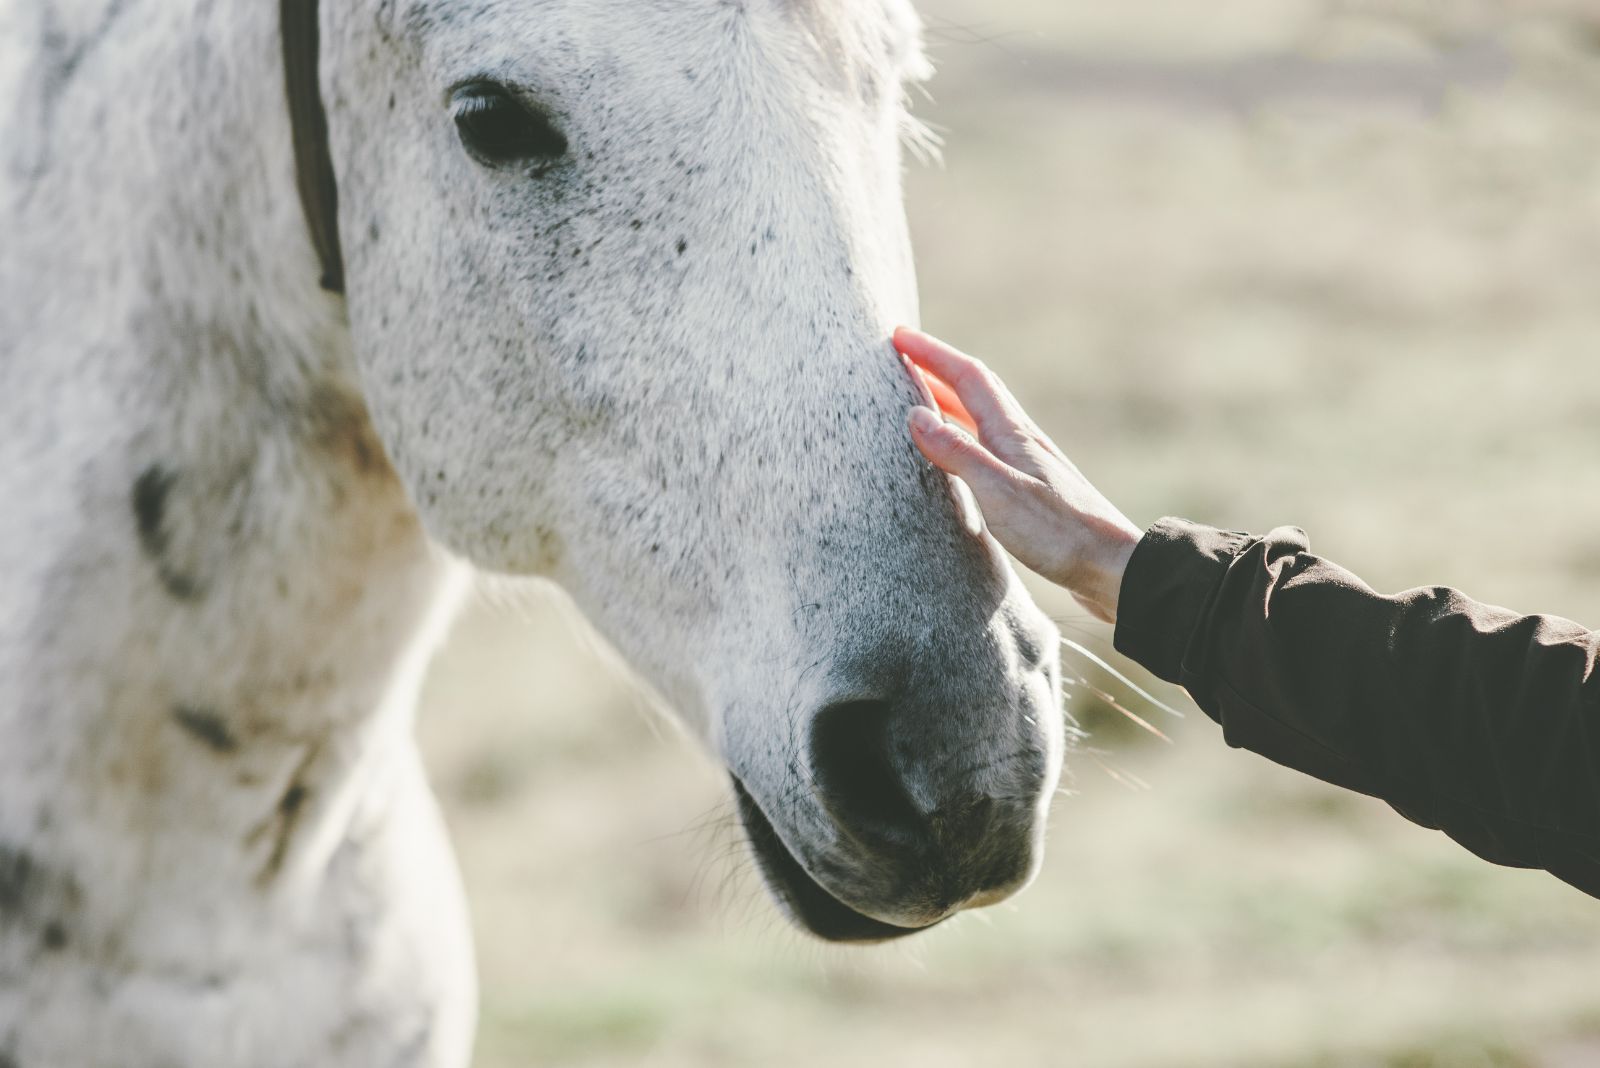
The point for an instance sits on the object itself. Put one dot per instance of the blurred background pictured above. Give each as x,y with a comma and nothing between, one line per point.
1333,263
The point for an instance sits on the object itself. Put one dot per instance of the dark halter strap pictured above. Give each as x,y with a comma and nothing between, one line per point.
319,194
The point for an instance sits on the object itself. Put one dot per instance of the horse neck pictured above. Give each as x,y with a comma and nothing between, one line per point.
207,553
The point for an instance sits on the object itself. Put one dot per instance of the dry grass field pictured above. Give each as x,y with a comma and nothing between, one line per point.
1334,264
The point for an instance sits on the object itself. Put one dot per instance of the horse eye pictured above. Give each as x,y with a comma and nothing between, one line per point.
498,130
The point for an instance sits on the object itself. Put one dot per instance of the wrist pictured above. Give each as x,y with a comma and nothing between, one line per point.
1098,583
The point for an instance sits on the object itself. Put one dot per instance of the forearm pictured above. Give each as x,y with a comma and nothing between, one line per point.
1465,717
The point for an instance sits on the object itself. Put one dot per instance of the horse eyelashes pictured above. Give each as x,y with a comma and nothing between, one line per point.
497,129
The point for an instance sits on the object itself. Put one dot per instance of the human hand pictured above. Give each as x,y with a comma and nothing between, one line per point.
1034,501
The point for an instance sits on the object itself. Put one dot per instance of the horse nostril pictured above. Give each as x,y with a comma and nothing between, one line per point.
856,776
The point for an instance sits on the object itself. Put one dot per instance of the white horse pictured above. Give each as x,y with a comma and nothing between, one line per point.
618,278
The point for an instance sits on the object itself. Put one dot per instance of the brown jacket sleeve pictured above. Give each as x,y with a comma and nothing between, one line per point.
1466,718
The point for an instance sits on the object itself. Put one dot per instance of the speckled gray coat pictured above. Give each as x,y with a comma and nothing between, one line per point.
235,510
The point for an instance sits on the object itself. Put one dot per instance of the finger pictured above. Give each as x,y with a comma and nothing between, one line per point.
994,411
950,404
921,382
959,454
934,392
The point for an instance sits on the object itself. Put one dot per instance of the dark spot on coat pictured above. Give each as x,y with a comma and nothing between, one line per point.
281,825
683,245
7,1060
149,508
207,727
152,491
63,55
33,896
18,875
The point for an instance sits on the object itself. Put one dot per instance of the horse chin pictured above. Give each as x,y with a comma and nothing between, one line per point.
807,902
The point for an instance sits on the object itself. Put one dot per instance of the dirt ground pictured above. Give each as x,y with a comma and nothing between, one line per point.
1332,264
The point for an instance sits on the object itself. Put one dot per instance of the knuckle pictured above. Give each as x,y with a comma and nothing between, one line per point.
972,370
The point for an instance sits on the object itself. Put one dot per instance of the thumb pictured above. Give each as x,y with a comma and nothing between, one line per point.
957,453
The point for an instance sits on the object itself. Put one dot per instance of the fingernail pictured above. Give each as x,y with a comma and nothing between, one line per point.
925,419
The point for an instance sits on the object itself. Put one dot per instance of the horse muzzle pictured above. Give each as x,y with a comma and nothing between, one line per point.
901,822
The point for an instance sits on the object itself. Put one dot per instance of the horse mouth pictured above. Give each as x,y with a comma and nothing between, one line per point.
807,900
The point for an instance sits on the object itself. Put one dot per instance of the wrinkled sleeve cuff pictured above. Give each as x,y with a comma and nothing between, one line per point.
1168,589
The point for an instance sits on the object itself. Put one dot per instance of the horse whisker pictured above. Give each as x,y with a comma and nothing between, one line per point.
1135,717
1120,775
1119,676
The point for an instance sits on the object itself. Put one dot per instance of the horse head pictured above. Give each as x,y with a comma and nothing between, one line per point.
621,277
